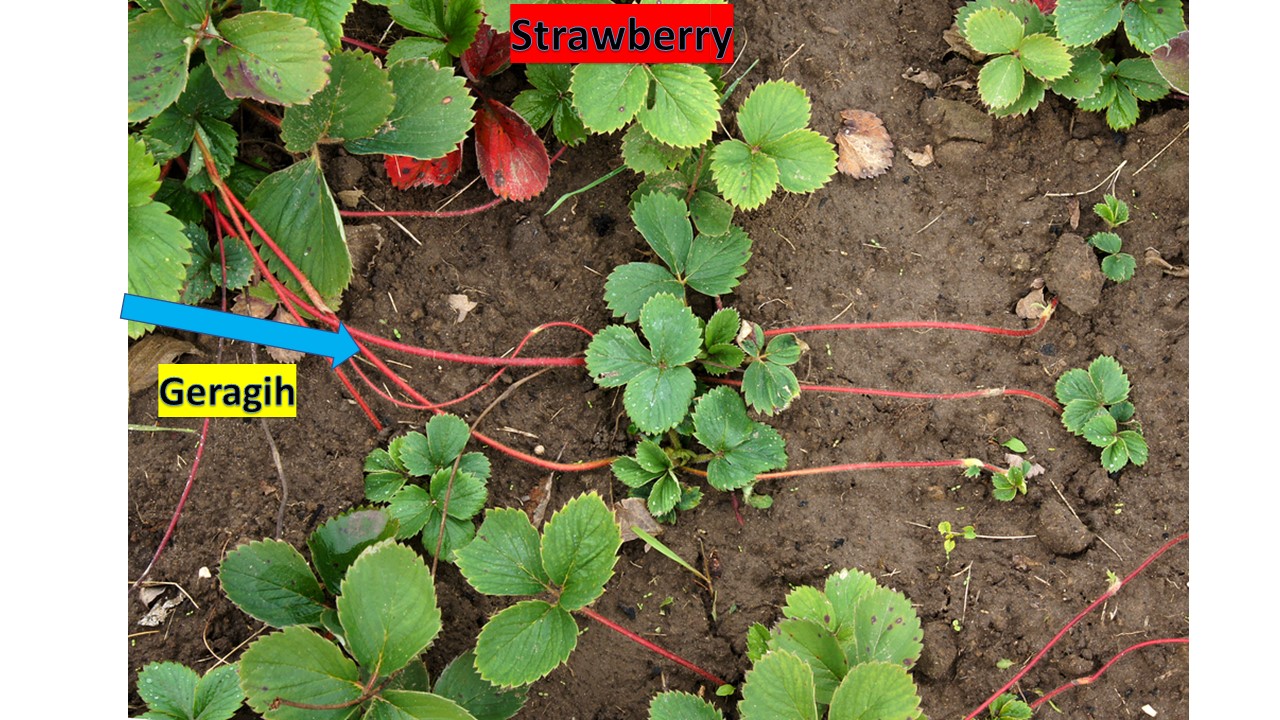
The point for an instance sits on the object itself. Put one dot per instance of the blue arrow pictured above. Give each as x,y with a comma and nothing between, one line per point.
338,346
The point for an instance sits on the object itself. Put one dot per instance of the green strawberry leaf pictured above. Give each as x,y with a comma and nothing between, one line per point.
1100,430
388,608
817,646
806,160
711,215
608,95
454,25
875,691
1045,57
1009,707
722,328
506,557
340,540
676,705
432,114
326,16
1119,267
579,549
845,590
270,581
413,452
769,387
1109,380
779,687
684,107
299,666
773,110
159,250
664,223
383,476
746,176
1122,412
1151,23
457,534
550,100
460,682
631,473
174,691
268,56
1085,78
1135,444
1085,22
447,436
524,642
466,499
715,263
295,207
1107,242
1115,456
355,103
885,628
665,495
1000,81
1141,78
1113,211
993,31
644,154
743,448
615,356
419,48
414,705
806,602
223,145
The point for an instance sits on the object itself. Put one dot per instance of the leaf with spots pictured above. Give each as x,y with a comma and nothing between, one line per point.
406,172
608,95
432,114
268,56
355,103
159,50
175,692
511,156
885,628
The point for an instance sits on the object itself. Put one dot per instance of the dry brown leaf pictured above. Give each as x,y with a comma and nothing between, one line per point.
539,497
924,158
462,305
255,307
1036,468
1153,257
147,354
962,83
633,512
160,612
865,147
927,78
1073,212
281,355
1032,306
364,242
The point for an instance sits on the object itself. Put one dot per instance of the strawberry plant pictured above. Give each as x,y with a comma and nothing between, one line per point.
174,691
842,652
1009,707
1117,266
561,571
1034,52
968,532
1096,406
366,658
453,490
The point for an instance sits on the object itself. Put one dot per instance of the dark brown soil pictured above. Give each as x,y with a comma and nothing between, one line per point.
960,240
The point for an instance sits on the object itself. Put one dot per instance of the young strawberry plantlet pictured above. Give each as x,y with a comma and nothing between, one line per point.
1033,52
174,691
949,536
1096,406
366,662
1116,265
843,653
454,492
1009,707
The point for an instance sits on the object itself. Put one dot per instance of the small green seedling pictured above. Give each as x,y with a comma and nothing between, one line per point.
1096,406
562,570
1117,266
453,490
1008,484
1009,707
365,659
1015,445
841,652
968,532
174,691
704,578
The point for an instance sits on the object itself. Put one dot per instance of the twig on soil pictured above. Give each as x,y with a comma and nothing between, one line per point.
979,537
1166,147
204,636
394,221
1109,178
284,484
930,224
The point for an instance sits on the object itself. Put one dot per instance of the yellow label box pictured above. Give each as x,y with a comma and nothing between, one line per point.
228,391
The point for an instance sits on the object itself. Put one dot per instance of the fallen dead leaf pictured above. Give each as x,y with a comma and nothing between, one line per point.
147,354
927,78
364,242
959,45
1153,257
148,595
536,507
462,305
1032,306
962,83
1023,563
281,355
865,147
1036,469
633,512
160,612
924,158
1073,212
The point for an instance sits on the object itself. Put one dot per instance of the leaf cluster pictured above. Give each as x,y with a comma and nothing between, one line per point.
1096,406
843,652
1032,53
1117,266
173,691
364,661
452,488
1009,707
559,571
1011,482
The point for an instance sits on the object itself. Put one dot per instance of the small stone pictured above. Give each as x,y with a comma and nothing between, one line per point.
1074,666
1060,531
955,120
1020,261
204,573
1083,151
1074,275
939,654
1097,487
957,154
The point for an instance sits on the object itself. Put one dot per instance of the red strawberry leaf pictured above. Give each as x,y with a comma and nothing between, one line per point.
490,52
511,156
406,172
1046,6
